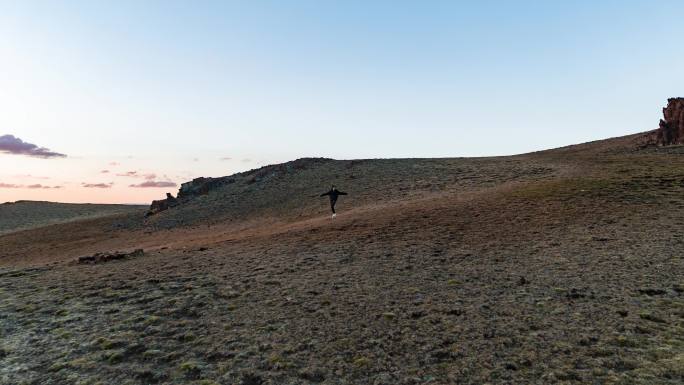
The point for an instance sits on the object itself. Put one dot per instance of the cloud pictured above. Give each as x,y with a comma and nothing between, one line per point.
9,144
31,186
114,163
225,158
246,160
195,159
104,172
38,185
131,174
152,184
136,174
97,185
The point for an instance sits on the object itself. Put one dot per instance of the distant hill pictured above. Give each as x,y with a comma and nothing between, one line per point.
22,215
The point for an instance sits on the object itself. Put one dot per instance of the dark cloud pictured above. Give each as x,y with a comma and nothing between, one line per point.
152,183
9,185
97,185
10,144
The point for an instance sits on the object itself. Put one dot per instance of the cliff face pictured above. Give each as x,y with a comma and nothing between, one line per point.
671,129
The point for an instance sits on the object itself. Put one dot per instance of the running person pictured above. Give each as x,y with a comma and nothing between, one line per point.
333,193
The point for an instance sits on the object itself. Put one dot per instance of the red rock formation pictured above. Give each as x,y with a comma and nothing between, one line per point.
671,129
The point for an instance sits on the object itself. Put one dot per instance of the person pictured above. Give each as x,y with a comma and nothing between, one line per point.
333,194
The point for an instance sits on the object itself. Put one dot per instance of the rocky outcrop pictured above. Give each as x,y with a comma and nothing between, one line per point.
106,257
671,129
161,205
202,186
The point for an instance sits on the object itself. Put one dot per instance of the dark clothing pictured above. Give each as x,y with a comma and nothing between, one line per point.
333,193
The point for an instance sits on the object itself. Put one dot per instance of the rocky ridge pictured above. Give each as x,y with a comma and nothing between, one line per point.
203,185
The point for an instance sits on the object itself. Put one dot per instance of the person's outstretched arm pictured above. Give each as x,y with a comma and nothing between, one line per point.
325,193
342,193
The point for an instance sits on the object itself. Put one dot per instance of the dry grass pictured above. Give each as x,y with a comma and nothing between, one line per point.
568,275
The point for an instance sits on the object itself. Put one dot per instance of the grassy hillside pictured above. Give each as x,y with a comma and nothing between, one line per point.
559,267
24,215
285,192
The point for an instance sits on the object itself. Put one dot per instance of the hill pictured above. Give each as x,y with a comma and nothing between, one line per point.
22,215
561,266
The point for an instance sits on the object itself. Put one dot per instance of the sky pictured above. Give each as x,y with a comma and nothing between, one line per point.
121,101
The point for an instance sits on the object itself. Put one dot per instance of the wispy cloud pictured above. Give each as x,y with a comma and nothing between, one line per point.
131,174
38,185
152,184
226,158
246,160
138,174
10,144
104,172
31,186
114,163
97,185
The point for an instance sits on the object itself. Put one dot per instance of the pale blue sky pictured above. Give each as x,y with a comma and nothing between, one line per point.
154,85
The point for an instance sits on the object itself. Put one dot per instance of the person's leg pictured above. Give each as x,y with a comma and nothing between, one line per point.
332,207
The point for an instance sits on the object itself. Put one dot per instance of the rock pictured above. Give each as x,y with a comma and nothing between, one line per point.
161,205
671,130
201,186
106,257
